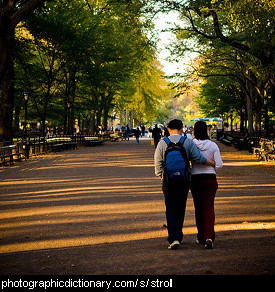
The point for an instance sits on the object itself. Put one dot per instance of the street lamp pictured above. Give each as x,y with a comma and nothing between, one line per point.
26,96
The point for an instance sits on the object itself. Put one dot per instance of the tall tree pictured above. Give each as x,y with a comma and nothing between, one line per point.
244,26
11,13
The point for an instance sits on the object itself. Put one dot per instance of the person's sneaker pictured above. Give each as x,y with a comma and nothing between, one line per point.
174,245
209,244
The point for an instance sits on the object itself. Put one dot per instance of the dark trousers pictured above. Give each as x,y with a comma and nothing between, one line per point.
175,196
156,141
203,191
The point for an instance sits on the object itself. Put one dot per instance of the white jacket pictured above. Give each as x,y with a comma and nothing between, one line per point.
209,150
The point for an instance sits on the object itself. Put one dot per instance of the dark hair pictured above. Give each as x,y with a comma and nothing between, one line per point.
175,124
200,130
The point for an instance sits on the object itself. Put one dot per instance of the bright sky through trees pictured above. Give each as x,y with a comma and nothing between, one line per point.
163,22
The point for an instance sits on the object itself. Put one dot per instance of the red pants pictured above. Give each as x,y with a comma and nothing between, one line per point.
204,187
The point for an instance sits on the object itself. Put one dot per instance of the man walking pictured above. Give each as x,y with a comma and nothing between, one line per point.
156,135
176,191
137,134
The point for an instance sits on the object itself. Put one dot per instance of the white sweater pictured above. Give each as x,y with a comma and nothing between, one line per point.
209,150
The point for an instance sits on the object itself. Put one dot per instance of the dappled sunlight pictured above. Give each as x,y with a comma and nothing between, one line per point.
100,181
92,199
96,164
104,239
92,224
79,190
78,241
239,186
94,209
245,163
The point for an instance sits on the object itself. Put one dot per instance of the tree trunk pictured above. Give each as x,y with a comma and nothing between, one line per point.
249,107
92,122
5,24
65,116
44,132
258,115
242,122
17,110
272,87
105,117
7,98
98,118
10,16
72,89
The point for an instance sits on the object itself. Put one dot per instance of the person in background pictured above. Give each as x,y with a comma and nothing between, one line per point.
137,134
156,135
142,131
127,131
165,132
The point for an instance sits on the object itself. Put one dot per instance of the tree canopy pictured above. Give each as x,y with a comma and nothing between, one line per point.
234,43
80,59
94,60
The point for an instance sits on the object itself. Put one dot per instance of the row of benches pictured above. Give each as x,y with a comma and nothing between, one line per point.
262,148
63,143
11,153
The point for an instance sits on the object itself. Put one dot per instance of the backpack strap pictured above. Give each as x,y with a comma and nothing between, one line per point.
167,140
182,139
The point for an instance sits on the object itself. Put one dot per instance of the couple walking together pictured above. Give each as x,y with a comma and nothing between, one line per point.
205,158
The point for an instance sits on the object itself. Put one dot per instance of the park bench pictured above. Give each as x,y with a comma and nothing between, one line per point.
54,144
61,143
114,137
265,151
241,143
10,153
257,150
271,156
268,151
238,143
92,141
225,140
67,143
253,142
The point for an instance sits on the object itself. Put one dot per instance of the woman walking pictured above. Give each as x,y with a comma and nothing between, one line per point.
204,185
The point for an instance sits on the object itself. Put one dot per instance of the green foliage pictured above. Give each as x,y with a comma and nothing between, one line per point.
88,54
234,42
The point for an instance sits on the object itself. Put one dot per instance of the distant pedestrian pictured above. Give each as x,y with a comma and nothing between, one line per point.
127,132
142,130
204,185
165,132
137,134
156,135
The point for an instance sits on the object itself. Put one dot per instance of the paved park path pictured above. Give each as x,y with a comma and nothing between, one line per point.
100,210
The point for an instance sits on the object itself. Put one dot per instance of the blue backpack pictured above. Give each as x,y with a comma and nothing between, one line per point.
176,166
